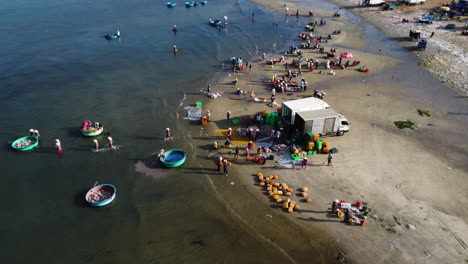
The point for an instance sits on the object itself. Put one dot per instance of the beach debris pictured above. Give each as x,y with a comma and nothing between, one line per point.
232,183
398,186
268,215
422,112
389,228
410,227
405,124
427,253
397,219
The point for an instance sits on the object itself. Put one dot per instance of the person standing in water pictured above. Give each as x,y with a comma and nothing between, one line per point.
36,133
58,147
161,154
175,50
31,132
225,167
168,134
96,144
118,33
111,143
208,88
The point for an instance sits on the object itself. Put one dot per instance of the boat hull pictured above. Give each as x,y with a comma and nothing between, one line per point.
30,147
170,4
111,36
173,158
106,187
93,134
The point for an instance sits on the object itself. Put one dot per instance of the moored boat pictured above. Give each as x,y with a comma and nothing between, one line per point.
91,130
204,2
101,195
25,143
189,4
173,158
171,4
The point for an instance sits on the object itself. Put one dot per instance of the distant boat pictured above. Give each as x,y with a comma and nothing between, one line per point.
171,4
101,195
204,2
173,158
112,36
215,23
25,143
91,131
189,4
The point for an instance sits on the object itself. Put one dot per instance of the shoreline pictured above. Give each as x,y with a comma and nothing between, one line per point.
375,184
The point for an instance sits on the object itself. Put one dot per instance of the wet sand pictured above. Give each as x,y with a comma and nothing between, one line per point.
402,174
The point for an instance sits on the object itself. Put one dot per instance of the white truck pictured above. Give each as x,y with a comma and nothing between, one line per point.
373,2
322,122
413,2
290,108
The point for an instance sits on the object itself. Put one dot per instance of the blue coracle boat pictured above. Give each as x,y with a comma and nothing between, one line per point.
204,2
173,158
171,4
189,4
112,36
215,23
101,195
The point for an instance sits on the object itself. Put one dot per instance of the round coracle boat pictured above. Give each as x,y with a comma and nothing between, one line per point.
101,195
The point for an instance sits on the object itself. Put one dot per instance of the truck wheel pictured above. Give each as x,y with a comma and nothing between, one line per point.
340,133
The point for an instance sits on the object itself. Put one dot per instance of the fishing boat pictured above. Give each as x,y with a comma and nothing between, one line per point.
112,36
93,130
101,195
173,158
171,4
189,4
25,143
215,23
204,2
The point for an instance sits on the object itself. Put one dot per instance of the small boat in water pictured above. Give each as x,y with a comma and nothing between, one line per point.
25,143
113,36
173,158
204,2
90,129
101,195
215,23
171,4
189,4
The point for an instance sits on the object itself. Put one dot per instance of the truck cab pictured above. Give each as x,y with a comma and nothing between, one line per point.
343,125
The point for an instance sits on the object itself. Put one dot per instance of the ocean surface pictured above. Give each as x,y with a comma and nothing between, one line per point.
56,70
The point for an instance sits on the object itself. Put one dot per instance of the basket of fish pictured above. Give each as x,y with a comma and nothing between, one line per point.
25,143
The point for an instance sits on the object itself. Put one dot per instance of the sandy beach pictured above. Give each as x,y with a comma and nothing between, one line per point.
408,177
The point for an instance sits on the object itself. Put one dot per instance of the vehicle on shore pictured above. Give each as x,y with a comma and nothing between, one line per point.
322,122
374,2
